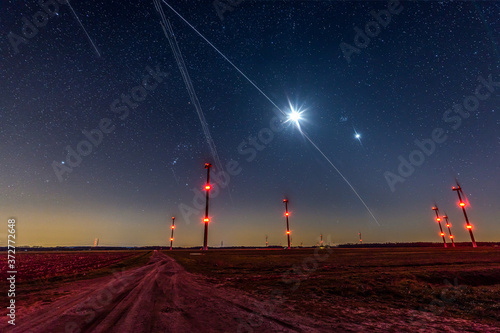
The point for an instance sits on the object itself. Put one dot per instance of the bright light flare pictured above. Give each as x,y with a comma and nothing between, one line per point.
469,227
295,114
206,220
462,204
207,187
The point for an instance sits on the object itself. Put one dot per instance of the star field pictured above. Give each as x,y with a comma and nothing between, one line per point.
392,92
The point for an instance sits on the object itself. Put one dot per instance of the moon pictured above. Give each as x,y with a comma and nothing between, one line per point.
294,116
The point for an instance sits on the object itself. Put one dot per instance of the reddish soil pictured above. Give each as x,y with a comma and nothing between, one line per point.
162,296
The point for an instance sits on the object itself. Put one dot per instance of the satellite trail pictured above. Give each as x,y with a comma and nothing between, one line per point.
169,33
84,30
158,7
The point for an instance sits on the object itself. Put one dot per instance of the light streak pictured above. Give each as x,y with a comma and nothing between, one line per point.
84,30
289,118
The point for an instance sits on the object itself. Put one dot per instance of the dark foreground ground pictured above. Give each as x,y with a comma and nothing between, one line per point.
462,283
301,290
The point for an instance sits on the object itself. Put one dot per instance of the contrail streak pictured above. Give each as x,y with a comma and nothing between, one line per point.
84,30
169,34
302,132
341,175
229,61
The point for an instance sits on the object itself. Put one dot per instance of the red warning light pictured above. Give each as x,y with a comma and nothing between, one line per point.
287,214
173,227
447,225
288,232
171,239
434,208
462,204
206,220
451,236
442,234
207,187
469,227
453,188
438,219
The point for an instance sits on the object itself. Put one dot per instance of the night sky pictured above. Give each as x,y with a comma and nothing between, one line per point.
409,82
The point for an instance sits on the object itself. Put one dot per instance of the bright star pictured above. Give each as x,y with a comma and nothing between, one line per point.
357,136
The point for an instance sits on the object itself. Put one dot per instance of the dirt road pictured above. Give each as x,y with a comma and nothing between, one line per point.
162,297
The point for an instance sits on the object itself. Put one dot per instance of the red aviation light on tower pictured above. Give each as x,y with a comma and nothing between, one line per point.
172,239
438,219
462,204
173,227
451,236
288,232
206,219
207,187
442,233
287,214
448,225
469,226
434,208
